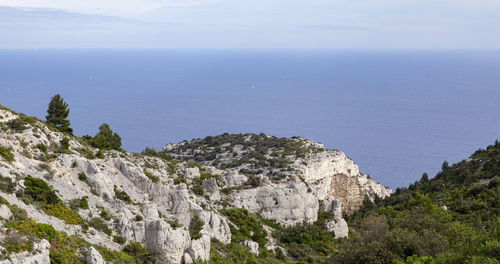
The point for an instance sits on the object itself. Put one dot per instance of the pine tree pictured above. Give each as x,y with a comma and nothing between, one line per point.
58,113
106,139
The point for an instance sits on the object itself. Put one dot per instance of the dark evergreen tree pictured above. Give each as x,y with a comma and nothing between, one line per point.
58,113
106,139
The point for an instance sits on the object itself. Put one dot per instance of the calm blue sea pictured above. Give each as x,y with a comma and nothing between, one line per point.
396,114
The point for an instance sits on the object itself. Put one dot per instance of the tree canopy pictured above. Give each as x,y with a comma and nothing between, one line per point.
106,139
58,113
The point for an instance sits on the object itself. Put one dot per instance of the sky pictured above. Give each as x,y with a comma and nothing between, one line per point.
293,24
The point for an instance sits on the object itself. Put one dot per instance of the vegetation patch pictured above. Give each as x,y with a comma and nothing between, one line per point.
259,152
101,225
6,153
150,175
122,195
246,226
195,227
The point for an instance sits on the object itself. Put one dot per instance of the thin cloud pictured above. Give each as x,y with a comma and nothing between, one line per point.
334,27
107,7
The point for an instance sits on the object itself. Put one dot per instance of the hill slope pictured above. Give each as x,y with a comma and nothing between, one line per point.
64,201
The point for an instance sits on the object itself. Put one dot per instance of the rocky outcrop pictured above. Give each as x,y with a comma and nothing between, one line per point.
5,211
339,227
252,246
287,203
331,173
39,255
167,244
94,257
199,250
154,198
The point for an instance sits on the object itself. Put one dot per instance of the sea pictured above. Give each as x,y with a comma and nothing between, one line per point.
397,114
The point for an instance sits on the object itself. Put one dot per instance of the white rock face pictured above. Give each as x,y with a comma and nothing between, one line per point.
216,227
200,249
331,173
39,255
192,173
94,257
339,227
333,206
287,203
167,244
326,175
232,178
5,212
252,245
186,259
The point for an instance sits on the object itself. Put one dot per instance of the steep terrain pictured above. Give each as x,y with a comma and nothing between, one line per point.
451,218
64,201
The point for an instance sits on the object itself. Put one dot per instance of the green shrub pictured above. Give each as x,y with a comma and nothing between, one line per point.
174,223
64,213
84,203
104,214
45,231
150,175
179,180
122,195
6,153
119,239
42,147
7,185
249,226
139,252
99,224
138,218
82,176
40,191
195,226
198,189
14,243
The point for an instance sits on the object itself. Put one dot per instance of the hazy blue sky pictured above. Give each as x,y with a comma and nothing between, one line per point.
374,24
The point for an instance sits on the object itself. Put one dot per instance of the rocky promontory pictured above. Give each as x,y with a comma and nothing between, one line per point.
58,192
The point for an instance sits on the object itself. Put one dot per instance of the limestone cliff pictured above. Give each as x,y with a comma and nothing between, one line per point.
153,198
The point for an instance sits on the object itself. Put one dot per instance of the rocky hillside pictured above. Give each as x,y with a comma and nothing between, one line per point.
275,162
64,201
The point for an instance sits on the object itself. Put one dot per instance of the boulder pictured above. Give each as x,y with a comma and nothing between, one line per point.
165,243
216,227
94,257
5,212
339,227
252,246
192,173
200,249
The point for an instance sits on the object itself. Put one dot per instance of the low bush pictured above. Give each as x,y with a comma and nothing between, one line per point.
7,185
248,226
119,239
64,213
84,202
150,175
100,225
42,147
40,191
122,195
195,226
6,153
139,252
82,176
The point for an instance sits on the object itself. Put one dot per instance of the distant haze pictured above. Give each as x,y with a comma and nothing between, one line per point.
367,24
